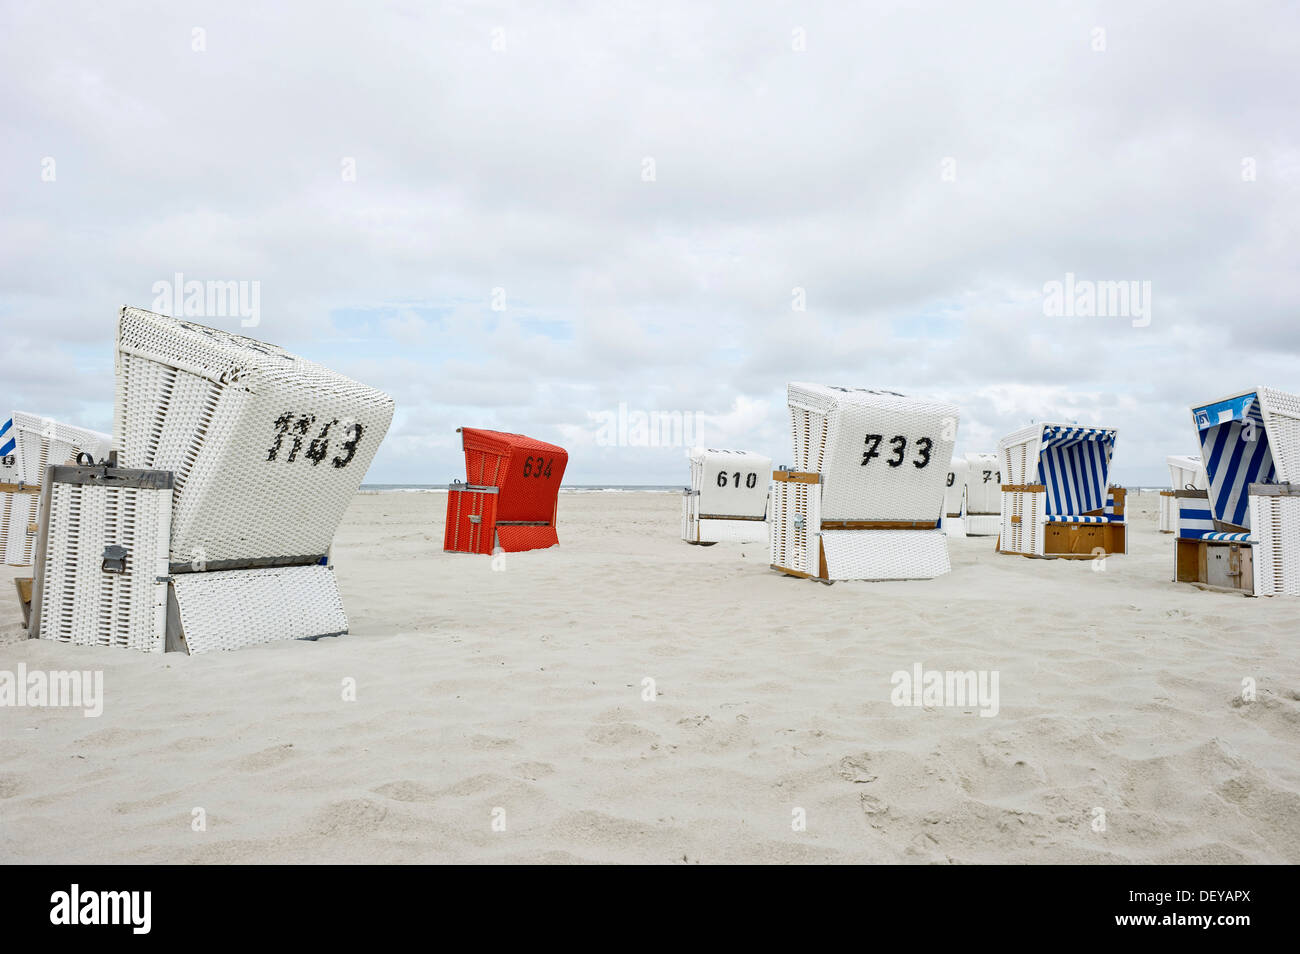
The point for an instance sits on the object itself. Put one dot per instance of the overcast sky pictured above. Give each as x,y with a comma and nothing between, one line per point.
920,171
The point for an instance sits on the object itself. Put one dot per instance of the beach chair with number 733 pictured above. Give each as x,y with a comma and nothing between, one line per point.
864,496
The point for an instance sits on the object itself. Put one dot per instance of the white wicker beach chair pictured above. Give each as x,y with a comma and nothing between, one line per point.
727,499
982,512
1243,531
28,445
251,456
1057,501
1185,473
954,498
863,498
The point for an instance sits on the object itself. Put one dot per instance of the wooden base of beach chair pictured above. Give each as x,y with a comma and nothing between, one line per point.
1215,566
1078,541
24,586
1084,540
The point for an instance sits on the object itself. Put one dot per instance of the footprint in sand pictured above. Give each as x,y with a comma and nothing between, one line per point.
267,758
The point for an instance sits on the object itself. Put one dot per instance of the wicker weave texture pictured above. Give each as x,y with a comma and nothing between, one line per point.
1166,518
726,483
82,604
1281,412
17,513
42,441
527,474
733,531
527,471
519,539
954,493
885,554
471,521
39,442
1185,473
983,485
796,517
1275,523
268,449
882,454
1018,453
983,524
230,609
730,483
1023,513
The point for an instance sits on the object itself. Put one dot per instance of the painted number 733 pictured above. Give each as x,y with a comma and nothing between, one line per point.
896,452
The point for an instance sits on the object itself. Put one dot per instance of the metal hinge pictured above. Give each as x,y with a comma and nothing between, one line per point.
114,559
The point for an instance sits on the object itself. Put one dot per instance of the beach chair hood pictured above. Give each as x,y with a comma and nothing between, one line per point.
882,453
512,494
267,448
1240,438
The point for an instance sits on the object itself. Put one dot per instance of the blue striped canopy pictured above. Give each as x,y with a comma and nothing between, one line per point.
1234,446
7,447
1073,463
1194,518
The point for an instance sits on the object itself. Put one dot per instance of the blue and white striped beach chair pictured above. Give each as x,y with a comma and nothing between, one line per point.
1243,531
1057,500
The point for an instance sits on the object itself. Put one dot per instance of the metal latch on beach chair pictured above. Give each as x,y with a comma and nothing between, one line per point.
114,559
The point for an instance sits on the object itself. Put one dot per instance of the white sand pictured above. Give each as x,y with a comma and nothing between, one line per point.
521,690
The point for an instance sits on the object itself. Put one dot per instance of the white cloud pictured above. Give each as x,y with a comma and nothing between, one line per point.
521,170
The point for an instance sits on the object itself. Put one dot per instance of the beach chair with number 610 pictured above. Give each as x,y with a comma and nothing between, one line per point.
727,498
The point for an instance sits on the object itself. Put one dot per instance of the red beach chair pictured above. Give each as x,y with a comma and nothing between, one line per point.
510,495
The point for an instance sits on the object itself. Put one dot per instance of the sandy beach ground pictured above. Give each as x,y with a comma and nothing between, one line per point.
516,696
